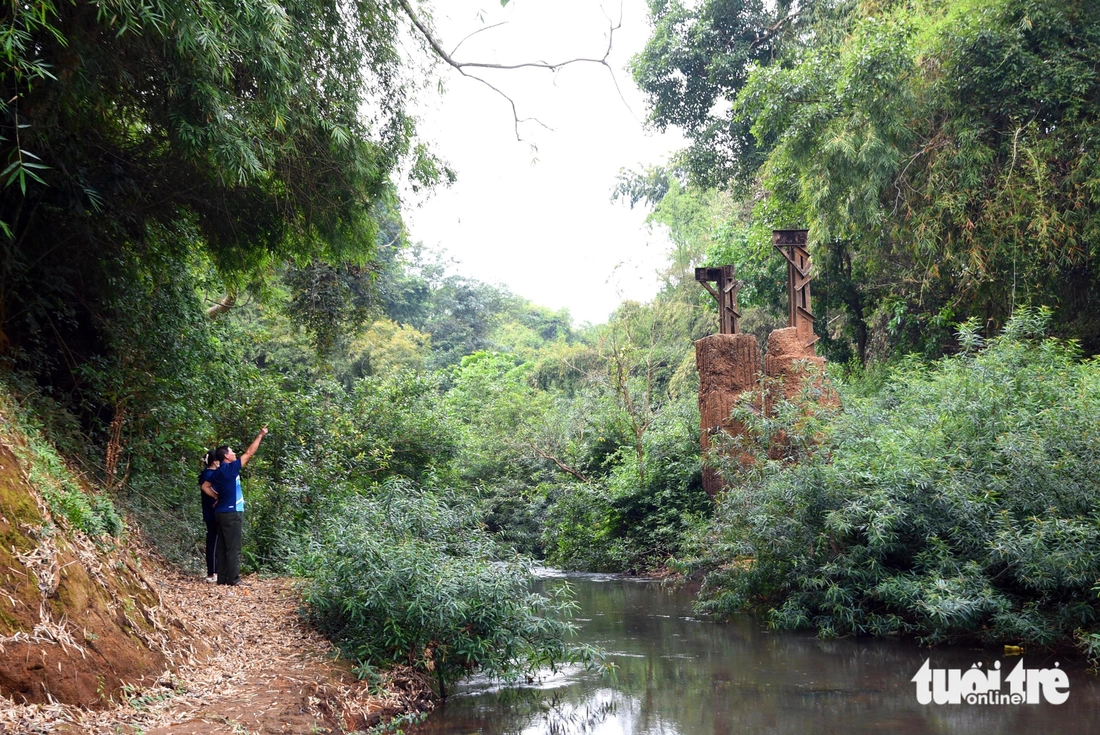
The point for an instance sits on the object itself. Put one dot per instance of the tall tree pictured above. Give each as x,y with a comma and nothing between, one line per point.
941,153
698,59
248,131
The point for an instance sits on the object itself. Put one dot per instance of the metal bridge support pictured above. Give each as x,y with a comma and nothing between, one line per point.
725,294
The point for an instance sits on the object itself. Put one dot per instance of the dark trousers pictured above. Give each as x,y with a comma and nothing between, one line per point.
211,547
228,556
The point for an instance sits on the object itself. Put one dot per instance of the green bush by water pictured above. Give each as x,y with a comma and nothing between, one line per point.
406,576
635,517
958,502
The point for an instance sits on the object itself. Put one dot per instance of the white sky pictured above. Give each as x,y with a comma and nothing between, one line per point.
536,216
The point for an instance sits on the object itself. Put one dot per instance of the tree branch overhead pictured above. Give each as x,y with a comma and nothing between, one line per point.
464,67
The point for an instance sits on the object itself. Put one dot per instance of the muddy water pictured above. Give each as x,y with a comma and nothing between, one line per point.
678,674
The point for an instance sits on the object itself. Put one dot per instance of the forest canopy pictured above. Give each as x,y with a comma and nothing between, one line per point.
941,153
235,136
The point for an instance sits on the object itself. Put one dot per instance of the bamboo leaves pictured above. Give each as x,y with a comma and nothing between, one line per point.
408,576
958,503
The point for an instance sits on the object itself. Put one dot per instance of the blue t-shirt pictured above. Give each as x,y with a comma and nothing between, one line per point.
207,501
226,481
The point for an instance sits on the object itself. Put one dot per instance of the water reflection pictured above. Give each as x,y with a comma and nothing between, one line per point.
681,675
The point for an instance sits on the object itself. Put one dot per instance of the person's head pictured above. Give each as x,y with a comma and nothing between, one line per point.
224,454
208,463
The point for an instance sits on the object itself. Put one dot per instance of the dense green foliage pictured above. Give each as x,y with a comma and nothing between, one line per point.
405,576
942,154
606,453
142,134
958,501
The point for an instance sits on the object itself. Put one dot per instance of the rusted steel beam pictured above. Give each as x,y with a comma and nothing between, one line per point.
792,244
725,294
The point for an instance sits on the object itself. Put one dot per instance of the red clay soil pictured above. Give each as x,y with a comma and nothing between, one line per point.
77,620
788,359
728,365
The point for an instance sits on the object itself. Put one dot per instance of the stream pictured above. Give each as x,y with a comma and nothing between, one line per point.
680,674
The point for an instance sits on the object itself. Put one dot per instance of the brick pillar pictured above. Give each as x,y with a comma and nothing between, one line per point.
728,365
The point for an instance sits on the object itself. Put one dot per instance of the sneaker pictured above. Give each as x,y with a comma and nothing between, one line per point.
211,579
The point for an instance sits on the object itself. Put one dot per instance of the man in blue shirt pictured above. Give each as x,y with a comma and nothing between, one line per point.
225,482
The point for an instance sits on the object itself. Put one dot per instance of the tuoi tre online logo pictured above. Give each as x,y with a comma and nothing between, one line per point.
979,685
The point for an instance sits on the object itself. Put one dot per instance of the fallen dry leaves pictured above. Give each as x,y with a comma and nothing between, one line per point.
265,672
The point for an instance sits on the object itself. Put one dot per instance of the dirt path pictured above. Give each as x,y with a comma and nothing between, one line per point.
265,673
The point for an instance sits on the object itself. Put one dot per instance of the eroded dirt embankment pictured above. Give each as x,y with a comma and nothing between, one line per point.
104,638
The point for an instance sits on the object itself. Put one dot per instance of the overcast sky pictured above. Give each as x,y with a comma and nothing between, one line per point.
536,215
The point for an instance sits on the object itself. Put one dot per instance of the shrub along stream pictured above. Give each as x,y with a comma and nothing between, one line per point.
955,502
408,576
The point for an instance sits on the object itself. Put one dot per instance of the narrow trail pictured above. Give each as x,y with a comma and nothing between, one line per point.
265,672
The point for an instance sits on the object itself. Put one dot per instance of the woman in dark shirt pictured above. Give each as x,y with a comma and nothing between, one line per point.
209,498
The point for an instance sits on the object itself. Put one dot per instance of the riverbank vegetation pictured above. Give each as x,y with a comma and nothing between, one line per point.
192,250
944,170
954,502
